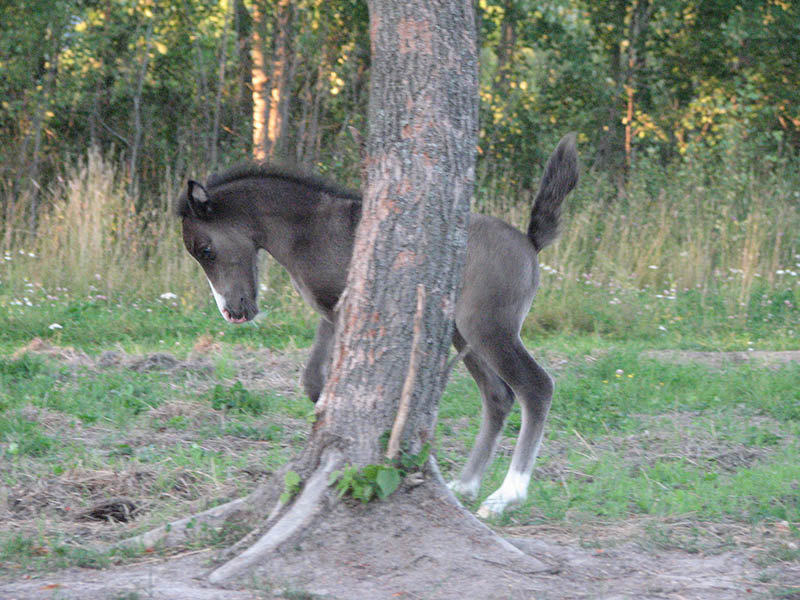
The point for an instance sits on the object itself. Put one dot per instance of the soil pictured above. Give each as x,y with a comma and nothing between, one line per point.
641,558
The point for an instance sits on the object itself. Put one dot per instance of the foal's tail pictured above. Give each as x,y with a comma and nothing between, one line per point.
560,176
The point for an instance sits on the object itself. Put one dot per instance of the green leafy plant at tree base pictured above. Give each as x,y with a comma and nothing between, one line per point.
377,481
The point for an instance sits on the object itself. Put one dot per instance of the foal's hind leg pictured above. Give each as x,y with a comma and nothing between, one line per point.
497,400
316,371
533,388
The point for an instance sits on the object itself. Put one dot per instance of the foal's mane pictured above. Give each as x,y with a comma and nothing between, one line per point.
266,171
250,170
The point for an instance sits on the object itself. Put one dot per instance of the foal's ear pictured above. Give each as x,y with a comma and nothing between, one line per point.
198,200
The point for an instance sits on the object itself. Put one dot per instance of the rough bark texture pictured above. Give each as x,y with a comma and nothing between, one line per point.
395,320
409,247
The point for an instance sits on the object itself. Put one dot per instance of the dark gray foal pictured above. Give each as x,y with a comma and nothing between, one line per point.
308,226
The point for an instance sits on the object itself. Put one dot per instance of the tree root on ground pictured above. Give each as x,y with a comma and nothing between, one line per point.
411,542
298,515
247,510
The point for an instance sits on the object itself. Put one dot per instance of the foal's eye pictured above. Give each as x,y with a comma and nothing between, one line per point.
206,253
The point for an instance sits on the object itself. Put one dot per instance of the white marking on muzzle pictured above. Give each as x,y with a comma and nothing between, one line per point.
220,300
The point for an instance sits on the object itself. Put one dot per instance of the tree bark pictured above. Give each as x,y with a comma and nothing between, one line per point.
640,13
395,321
420,172
223,57
259,83
243,97
133,179
281,80
32,187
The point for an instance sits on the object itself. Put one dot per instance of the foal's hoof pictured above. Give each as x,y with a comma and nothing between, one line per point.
496,504
487,511
468,490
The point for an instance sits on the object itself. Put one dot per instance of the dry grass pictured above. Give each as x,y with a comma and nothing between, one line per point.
92,237
672,229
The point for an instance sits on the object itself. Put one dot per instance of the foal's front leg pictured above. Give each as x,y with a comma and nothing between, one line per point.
316,371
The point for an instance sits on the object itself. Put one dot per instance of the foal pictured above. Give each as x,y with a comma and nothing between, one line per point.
308,225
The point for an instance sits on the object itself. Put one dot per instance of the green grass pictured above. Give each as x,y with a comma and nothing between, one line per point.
689,320
139,325
620,398
608,393
45,553
598,430
627,437
668,488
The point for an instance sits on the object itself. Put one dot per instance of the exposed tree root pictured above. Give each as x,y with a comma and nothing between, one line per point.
418,541
186,529
299,514
248,510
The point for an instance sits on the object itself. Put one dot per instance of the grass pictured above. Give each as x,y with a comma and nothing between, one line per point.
653,259
93,325
629,437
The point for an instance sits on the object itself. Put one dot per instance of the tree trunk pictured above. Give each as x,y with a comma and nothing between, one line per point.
136,142
243,97
639,20
401,291
54,33
281,80
259,83
223,56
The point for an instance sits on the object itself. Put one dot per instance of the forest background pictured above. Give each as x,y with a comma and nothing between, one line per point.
688,114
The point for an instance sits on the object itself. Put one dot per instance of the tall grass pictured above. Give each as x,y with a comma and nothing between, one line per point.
678,227
724,231
94,240
728,231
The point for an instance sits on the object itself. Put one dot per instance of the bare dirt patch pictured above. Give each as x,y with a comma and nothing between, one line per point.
590,562
641,558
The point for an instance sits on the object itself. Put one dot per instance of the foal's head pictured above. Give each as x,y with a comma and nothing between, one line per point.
224,246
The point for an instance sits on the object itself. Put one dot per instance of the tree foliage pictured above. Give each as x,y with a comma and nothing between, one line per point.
166,86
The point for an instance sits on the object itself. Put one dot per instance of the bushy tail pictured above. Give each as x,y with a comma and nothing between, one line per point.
560,176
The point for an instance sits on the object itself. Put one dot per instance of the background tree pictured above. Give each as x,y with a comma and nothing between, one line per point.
672,78
259,81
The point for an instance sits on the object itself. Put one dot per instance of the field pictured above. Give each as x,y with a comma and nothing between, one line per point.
119,414
668,316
